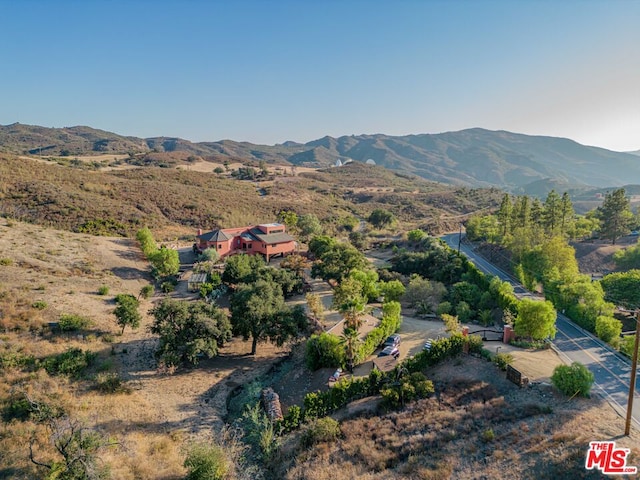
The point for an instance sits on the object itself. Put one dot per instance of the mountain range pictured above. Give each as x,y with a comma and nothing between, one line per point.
474,157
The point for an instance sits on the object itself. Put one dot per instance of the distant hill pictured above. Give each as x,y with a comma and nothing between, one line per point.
473,157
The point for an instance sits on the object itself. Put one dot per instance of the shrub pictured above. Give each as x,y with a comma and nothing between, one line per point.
206,462
488,435
608,328
167,287
320,430
39,305
72,362
111,383
573,380
103,290
292,419
444,307
124,298
6,261
147,291
70,322
627,344
502,360
12,357
324,350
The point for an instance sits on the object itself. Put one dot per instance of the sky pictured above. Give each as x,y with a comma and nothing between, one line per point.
268,71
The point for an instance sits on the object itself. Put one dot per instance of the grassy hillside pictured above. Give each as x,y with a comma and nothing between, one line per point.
177,202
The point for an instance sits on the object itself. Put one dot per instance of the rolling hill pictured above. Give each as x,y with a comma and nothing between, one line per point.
474,157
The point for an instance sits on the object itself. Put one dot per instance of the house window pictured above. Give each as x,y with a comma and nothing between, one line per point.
219,245
250,245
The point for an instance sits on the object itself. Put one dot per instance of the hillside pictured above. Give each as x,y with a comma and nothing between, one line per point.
474,157
176,202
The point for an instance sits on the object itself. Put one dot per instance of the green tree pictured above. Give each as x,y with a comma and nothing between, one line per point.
392,290
381,218
309,226
522,212
351,341
567,214
127,314
353,310
552,213
608,328
347,291
147,243
629,258
289,218
504,215
241,268
615,215
165,262
337,262
368,280
573,380
623,288
258,312
536,319
424,295
188,330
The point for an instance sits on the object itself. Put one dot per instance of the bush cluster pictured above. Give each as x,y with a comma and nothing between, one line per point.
319,404
72,362
572,380
69,322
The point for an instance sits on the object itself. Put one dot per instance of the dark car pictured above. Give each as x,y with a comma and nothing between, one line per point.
390,351
392,341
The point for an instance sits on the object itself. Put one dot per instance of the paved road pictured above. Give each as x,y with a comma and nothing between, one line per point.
612,373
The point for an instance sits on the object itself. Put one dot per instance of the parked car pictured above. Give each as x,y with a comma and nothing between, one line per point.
392,341
390,351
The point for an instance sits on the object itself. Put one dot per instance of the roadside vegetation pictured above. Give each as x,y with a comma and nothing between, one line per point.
536,237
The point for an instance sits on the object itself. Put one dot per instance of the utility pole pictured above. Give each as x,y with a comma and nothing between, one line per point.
632,384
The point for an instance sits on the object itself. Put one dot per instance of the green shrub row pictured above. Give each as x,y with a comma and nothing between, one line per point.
147,242
319,404
390,323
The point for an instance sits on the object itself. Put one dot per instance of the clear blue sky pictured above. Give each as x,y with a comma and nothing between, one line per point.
268,71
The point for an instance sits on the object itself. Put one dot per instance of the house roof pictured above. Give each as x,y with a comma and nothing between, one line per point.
271,238
214,236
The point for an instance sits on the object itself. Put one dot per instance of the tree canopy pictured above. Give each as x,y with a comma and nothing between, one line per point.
623,288
126,312
188,330
536,319
615,215
258,312
381,218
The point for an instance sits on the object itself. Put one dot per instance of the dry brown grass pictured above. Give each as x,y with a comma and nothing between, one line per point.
477,426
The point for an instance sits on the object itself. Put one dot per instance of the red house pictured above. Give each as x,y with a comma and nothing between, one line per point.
269,240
